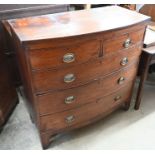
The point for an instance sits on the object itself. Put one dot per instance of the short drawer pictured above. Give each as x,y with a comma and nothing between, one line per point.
85,113
121,42
71,98
65,56
84,73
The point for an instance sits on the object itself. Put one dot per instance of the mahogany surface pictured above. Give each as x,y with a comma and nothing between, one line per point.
74,23
52,57
86,112
84,73
55,102
105,51
42,58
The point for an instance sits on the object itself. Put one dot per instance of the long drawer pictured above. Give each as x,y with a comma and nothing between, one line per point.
79,75
86,112
71,98
83,51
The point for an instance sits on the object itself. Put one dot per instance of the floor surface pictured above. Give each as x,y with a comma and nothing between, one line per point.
121,130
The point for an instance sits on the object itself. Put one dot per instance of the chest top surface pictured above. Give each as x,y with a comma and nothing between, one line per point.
74,23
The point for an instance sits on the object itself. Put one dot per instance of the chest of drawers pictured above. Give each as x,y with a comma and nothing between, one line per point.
77,67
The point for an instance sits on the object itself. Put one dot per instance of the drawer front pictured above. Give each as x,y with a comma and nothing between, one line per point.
86,112
64,100
84,73
65,56
125,41
82,52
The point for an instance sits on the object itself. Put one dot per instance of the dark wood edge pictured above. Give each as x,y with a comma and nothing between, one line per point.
9,114
145,67
31,98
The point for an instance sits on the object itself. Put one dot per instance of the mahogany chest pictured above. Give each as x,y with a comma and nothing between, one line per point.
77,67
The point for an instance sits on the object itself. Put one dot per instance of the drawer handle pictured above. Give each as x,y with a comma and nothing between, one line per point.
69,99
69,57
69,78
127,43
124,61
70,119
117,98
121,80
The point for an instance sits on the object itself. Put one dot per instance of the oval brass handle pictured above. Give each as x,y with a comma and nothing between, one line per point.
69,99
117,98
127,43
70,119
69,78
124,61
68,57
121,80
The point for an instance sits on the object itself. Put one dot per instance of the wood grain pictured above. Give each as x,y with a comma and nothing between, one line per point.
86,112
53,58
74,23
55,102
47,80
97,37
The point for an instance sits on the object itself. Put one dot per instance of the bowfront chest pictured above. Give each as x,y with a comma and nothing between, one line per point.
77,67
